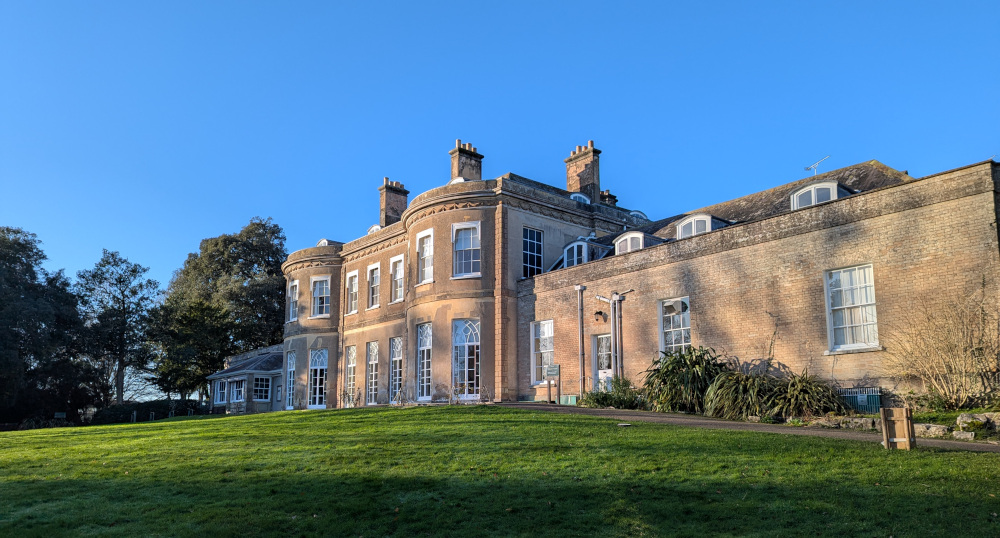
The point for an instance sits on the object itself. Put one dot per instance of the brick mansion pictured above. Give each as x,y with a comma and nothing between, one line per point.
477,289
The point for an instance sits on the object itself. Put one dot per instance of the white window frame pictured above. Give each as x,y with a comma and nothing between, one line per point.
290,381
236,389
425,344
580,197
626,239
312,289
371,370
812,187
319,361
857,306
470,225
693,220
220,391
529,270
350,375
675,328
374,288
567,255
397,286
464,349
351,306
542,348
262,388
425,263
395,369
292,293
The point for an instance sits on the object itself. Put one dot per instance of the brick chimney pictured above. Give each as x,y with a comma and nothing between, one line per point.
392,202
609,199
466,162
582,171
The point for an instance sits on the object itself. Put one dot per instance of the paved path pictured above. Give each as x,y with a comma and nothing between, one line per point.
698,421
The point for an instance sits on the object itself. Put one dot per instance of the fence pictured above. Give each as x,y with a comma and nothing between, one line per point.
866,400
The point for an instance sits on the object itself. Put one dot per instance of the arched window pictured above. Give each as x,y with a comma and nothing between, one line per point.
575,254
629,242
694,225
813,194
465,365
638,214
580,197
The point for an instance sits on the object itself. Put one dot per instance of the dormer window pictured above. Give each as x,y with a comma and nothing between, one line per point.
629,242
694,225
575,254
813,194
580,197
638,215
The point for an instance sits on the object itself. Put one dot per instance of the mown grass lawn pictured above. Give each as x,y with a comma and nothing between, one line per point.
475,471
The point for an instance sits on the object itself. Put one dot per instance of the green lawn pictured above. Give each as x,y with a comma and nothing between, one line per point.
475,471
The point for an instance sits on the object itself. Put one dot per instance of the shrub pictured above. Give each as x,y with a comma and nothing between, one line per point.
678,381
735,395
803,396
620,395
116,414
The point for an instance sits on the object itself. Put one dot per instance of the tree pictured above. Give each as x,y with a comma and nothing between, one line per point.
227,298
953,347
42,370
116,302
240,273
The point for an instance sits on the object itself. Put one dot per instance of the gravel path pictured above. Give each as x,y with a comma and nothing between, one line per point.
697,421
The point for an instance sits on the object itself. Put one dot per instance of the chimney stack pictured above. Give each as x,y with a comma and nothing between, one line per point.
583,172
392,202
466,163
609,199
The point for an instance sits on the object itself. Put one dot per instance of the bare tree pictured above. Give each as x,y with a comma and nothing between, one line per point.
952,347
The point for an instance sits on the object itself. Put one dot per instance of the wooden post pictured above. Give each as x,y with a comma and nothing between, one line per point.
897,428
548,384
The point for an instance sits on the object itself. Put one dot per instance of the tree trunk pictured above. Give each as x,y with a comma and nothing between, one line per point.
120,382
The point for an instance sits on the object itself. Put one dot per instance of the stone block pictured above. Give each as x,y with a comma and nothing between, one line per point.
964,436
930,430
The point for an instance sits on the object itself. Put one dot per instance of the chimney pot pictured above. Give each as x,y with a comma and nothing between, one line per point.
590,144
458,142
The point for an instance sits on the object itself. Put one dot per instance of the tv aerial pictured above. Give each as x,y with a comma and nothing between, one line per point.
815,165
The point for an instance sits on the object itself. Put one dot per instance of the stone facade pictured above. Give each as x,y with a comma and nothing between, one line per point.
459,325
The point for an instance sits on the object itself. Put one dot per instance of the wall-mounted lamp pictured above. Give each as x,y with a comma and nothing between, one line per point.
600,316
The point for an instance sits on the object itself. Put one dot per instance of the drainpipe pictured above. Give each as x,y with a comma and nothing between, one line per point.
579,303
614,335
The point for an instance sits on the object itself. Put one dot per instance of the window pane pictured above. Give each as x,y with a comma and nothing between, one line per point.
805,199
822,194
687,230
700,226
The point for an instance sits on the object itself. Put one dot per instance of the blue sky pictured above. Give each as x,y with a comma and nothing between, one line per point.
144,127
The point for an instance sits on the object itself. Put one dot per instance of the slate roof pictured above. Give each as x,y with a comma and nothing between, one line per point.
858,178
265,362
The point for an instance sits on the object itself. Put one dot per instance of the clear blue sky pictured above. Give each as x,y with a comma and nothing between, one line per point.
144,127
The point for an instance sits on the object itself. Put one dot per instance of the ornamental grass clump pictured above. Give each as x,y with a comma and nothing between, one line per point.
736,395
803,396
677,381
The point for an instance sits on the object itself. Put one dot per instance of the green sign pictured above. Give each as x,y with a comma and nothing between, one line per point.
552,370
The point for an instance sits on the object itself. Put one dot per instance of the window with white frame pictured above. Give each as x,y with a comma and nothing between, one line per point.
352,292
425,256
350,376
374,280
220,391
396,369
851,308
293,301
371,390
629,242
396,279
675,317
580,197
237,390
575,254
694,225
531,252
816,193
465,358
290,381
542,353
318,361
602,352
261,389
467,253
424,361
321,296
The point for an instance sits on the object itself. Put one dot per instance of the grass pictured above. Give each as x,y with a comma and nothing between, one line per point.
478,471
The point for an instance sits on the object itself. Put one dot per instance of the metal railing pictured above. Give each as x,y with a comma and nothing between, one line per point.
866,400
